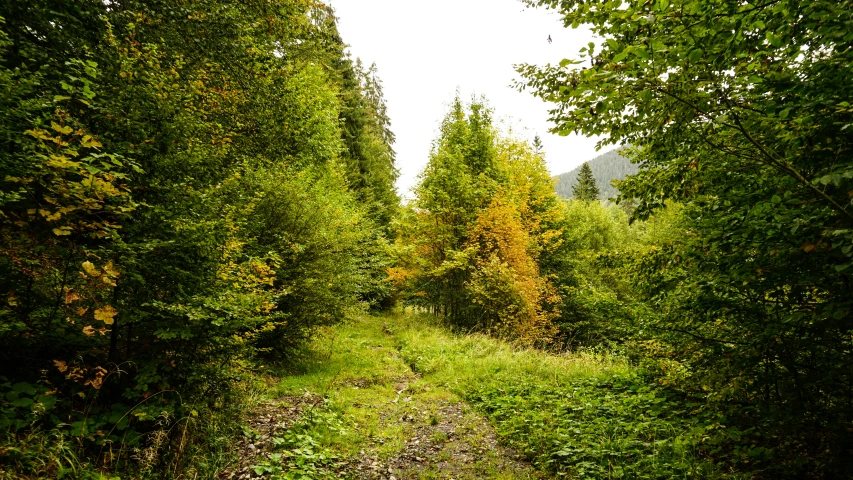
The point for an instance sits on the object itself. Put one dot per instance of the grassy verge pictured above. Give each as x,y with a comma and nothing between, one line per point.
199,445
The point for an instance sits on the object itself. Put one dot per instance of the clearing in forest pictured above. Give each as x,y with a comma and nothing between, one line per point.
402,398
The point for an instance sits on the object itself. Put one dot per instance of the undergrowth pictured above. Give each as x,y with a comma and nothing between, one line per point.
101,446
300,452
581,415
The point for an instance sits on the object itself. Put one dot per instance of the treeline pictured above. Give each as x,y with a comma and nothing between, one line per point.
605,168
185,188
739,112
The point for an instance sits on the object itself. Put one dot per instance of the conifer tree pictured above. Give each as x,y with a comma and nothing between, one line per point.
586,189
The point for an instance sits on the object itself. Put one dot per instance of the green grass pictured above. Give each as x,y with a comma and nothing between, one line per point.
586,415
583,415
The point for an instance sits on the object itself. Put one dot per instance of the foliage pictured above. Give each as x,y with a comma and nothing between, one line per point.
177,197
585,189
505,281
738,110
485,213
597,305
303,457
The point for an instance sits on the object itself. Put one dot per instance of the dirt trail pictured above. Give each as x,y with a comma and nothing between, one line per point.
392,423
441,439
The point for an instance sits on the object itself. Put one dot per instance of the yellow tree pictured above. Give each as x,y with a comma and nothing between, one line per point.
505,280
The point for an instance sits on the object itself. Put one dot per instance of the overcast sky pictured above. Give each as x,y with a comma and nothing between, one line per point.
427,50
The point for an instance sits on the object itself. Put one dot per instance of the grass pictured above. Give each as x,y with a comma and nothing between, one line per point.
358,368
196,446
581,415
584,415
390,380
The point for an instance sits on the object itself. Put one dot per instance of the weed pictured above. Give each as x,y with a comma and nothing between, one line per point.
302,454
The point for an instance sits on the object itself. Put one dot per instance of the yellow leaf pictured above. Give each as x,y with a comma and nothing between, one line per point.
38,133
111,270
59,128
60,365
89,331
89,268
106,314
808,247
59,161
90,142
71,296
61,231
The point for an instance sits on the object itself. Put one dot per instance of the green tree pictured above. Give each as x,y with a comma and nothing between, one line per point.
175,199
460,180
585,190
739,110
486,212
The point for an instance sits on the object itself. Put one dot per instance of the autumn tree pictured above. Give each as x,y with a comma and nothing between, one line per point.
486,211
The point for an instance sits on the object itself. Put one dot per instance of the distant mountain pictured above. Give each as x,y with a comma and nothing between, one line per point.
605,167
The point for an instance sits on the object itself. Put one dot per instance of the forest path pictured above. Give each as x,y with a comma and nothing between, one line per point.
355,409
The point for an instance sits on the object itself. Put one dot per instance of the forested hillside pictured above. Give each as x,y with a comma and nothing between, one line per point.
206,270
606,167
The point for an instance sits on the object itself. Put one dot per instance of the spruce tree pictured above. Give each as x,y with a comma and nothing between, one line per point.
586,189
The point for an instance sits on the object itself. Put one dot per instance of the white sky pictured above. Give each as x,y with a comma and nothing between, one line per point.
425,51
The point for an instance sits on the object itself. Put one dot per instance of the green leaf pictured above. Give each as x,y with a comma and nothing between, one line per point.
22,402
695,55
774,40
23,387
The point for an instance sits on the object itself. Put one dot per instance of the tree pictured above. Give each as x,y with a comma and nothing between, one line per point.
486,213
174,203
460,180
606,168
739,110
585,190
